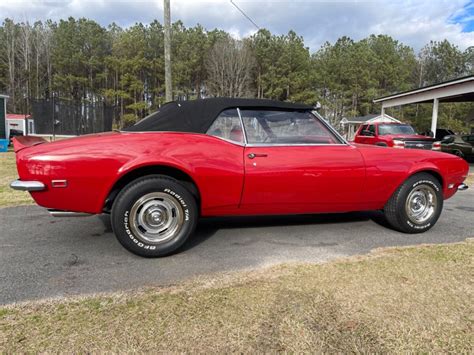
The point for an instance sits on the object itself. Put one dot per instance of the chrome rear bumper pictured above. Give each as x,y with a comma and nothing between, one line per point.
27,185
462,187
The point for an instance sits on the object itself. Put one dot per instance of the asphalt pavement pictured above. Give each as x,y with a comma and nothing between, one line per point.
44,257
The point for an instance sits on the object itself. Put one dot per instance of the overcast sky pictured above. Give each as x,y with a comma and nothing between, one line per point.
412,22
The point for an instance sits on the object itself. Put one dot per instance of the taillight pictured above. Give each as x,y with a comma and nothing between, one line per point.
398,144
436,146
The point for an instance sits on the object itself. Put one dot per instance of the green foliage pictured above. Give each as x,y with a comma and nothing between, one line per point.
77,59
348,75
283,67
129,119
441,61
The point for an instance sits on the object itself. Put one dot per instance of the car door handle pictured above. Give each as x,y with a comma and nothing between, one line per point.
253,155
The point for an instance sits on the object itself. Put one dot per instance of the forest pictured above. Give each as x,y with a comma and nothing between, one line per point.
81,61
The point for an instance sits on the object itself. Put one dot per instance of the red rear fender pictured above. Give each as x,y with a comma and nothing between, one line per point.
23,142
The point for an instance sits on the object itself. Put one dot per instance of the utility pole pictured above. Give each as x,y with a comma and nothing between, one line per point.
168,83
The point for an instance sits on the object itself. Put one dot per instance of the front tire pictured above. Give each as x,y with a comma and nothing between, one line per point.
416,205
153,216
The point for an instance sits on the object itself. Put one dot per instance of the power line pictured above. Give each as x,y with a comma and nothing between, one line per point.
243,13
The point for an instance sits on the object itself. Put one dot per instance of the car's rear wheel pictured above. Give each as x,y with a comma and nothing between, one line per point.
154,215
416,205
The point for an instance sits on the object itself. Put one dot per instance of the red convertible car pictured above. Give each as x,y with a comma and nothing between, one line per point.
222,157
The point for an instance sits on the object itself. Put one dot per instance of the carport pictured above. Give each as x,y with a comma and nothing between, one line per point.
457,90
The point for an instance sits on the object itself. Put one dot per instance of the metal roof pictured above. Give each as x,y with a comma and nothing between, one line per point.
369,118
361,118
465,79
17,116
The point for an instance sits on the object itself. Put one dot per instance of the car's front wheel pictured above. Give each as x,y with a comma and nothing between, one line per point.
154,215
416,205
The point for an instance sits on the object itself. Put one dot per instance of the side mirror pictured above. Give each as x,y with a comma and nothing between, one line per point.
367,133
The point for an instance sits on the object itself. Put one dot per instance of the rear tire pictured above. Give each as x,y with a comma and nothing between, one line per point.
153,216
416,205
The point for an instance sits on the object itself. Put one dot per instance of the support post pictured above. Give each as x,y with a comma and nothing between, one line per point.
434,118
168,84
383,111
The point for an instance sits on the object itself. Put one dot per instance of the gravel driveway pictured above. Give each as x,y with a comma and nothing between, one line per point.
42,256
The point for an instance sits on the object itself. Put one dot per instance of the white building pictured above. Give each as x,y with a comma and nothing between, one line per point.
19,122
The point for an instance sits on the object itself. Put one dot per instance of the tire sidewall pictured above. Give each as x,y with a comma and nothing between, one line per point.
131,193
412,183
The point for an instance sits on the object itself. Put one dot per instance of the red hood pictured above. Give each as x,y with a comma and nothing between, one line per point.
409,137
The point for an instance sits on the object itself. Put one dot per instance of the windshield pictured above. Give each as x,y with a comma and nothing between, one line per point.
385,129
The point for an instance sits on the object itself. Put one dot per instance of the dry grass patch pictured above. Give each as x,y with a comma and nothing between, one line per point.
415,299
470,180
8,173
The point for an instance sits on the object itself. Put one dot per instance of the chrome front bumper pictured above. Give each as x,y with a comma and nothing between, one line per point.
27,185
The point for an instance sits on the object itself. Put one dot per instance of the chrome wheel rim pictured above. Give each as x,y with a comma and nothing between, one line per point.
421,204
156,218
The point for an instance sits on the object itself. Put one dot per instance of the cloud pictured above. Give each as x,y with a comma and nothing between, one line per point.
414,23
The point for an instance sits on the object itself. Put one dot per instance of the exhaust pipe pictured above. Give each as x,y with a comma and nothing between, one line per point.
60,213
462,187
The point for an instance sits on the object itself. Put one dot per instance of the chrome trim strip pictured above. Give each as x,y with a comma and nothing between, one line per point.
462,187
27,185
243,127
331,128
228,140
60,213
254,145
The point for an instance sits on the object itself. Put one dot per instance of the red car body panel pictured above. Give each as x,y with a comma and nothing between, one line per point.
386,169
288,179
93,164
279,180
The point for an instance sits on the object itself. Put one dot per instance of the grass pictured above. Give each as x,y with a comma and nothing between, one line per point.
8,173
470,180
416,299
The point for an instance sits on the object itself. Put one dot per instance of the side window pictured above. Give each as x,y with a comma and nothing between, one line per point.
372,129
227,125
285,127
363,128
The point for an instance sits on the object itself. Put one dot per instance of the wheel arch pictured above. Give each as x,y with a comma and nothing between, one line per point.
154,169
436,174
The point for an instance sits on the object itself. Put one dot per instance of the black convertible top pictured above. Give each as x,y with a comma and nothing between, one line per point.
198,115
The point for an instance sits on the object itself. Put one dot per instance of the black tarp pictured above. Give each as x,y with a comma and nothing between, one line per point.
197,115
